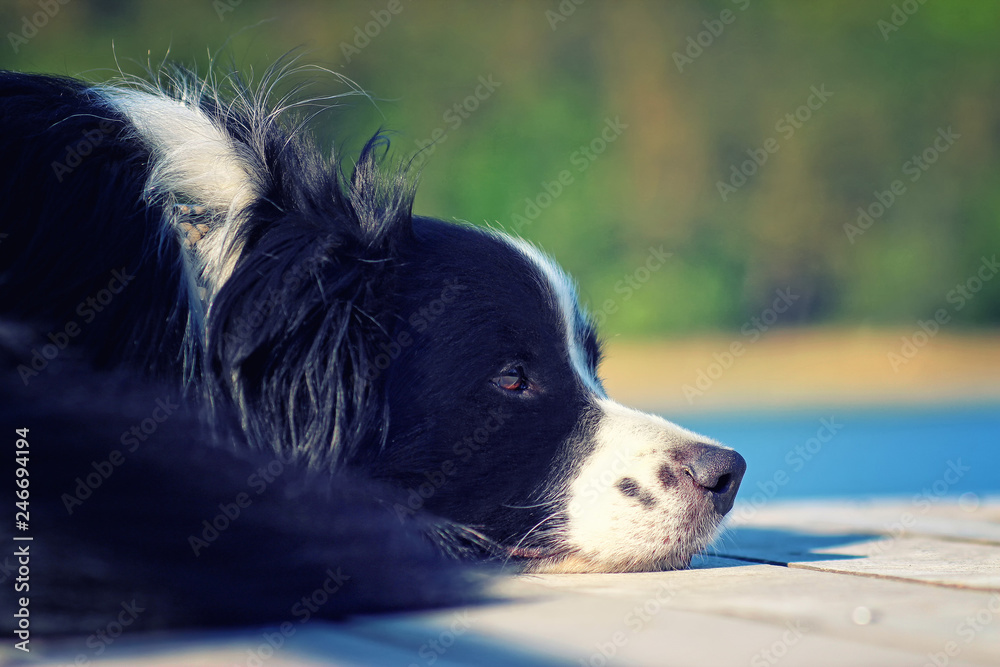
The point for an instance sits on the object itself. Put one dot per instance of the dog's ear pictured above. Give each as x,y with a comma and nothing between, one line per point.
293,334
381,196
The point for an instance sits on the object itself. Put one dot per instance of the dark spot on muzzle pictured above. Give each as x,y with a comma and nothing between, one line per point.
666,476
630,488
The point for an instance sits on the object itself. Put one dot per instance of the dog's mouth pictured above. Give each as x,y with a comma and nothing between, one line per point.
570,561
659,553
566,559
537,553
549,560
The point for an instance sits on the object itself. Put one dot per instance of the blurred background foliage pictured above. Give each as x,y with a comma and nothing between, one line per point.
696,88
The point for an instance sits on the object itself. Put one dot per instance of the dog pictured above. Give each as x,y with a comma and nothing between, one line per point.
245,372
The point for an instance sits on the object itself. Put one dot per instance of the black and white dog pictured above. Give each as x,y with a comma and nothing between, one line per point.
379,388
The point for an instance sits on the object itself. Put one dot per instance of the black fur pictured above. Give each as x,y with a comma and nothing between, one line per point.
428,390
194,532
326,346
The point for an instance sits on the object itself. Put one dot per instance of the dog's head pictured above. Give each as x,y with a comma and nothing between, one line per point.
456,363
498,418
450,360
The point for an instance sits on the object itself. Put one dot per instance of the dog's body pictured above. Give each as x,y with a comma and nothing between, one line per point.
441,372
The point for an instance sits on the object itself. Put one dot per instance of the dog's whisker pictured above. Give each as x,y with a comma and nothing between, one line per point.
386,390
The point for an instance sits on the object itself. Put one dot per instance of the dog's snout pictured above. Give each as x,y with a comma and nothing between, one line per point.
717,470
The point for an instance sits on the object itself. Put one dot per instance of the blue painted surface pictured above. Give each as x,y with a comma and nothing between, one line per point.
897,451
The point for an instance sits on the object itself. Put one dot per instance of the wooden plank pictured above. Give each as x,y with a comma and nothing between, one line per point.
846,597
969,517
316,645
632,620
728,614
870,611
731,613
421,639
919,559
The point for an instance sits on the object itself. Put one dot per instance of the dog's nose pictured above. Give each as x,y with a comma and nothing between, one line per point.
719,471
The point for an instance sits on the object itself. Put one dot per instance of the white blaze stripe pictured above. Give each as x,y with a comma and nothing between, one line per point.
565,294
608,529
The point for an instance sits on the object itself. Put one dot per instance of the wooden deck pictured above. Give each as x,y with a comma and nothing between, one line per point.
812,583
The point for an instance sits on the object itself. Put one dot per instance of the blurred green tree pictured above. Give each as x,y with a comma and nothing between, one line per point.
751,139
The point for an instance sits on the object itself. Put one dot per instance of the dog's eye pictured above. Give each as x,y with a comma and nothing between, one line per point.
512,379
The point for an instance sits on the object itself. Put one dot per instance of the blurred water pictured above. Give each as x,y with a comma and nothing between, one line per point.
936,450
